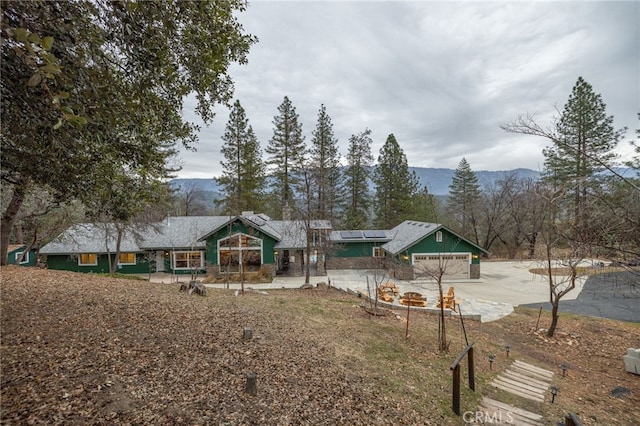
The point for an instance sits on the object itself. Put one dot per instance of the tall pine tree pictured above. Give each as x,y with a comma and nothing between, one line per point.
325,168
425,206
357,174
243,171
464,194
395,186
286,149
582,147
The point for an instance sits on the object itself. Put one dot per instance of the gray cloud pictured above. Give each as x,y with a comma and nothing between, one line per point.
440,76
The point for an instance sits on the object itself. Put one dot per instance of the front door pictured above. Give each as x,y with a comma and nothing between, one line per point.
160,261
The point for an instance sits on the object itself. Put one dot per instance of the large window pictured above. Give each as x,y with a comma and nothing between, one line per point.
188,260
127,259
377,252
88,259
240,253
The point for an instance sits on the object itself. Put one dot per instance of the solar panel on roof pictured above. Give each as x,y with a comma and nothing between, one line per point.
350,234
374,234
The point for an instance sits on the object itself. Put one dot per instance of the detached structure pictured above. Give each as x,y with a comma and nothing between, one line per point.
15,255
252,242
410,249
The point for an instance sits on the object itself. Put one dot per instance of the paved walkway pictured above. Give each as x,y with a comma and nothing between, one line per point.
502,286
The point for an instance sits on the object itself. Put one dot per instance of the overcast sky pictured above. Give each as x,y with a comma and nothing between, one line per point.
440,76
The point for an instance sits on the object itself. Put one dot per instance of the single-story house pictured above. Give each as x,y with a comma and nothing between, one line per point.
14,253
186,244
251,242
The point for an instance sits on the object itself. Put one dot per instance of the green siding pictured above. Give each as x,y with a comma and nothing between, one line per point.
356,248
70,263
268,243
450,244
11,257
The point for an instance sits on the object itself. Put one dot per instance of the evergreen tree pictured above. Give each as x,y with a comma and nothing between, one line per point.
287,150
425,206
243,174
464,194
325,165
395,186
634,163
357,174
582,147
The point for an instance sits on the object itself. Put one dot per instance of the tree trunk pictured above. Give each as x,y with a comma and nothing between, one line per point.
554,318
9,218
114,265
532,245
31,245
443,334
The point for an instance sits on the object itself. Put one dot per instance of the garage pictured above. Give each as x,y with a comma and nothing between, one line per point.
454,265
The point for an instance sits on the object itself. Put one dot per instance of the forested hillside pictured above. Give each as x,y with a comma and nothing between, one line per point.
437,180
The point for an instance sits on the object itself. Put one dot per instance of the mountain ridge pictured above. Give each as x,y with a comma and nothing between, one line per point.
437,180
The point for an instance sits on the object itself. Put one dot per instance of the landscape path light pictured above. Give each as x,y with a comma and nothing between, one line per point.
491,358
564,368
554,392
508,349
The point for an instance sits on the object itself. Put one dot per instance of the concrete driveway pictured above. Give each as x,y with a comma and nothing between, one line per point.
502,286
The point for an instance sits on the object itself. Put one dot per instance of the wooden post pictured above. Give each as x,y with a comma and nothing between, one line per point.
455,368
456,389
247,333
472,379
406,333
251,386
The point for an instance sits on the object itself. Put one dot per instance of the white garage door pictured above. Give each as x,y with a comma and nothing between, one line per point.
454,265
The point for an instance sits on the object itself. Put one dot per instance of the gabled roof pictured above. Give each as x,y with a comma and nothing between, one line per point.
260,222
90,238
407,234
175,232
182,232
293,233
410,232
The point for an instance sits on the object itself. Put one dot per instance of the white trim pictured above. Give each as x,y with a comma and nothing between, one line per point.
238,248
465,254
17,256
381,251
189,266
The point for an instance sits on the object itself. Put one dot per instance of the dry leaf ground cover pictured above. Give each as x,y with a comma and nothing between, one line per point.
85,349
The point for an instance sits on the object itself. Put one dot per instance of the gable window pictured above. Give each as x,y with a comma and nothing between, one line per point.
377,252
127,259
240,253
439,237
26,257
187,260
88,259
